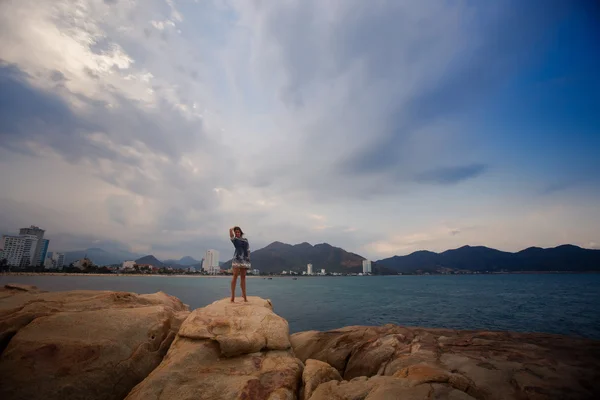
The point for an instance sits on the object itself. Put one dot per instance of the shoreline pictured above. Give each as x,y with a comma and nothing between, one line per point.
125,275
284,276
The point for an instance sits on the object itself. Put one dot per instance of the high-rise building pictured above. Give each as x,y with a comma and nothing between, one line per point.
39,234
210,264
19,250
49,263
29,249
366,264
13,249
43,251
59,259
309,270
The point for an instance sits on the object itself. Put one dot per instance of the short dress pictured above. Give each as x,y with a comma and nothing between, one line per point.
241,255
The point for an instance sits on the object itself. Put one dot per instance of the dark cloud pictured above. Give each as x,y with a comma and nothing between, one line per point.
60,241
27,112
118,208
101,46
175,218
505,39
418,69
57,76
451,175
563,185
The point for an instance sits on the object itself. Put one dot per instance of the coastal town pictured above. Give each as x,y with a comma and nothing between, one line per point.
29,252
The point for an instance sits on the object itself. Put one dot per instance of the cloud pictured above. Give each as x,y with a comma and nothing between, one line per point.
451,175
372,92
162,123
25,110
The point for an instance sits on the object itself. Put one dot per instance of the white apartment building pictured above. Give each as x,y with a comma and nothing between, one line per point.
34,258
323,271
128,265
49,263
29,251
366,264
19,250
13,246
210,264
309,269
58,259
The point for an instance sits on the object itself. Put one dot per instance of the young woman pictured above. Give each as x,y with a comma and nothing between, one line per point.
241,260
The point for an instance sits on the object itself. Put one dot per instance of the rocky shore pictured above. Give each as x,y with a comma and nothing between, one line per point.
119,345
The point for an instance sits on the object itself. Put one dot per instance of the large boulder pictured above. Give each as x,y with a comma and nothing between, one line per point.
227,351
375,388
21,304
315,373
239,328
480,364
82,344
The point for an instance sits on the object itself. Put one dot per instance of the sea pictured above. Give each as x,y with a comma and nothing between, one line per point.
567,304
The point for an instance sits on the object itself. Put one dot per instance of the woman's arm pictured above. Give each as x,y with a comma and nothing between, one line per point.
231,234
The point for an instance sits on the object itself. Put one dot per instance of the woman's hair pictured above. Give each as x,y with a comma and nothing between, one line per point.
237,228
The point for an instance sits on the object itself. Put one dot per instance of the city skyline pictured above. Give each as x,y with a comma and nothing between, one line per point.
205,262
29,248
381,128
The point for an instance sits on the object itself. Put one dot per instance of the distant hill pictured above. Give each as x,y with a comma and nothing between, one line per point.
150,259
480,258
100,256
186,261
278,257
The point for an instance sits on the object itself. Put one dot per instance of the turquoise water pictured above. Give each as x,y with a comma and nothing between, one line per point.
565,304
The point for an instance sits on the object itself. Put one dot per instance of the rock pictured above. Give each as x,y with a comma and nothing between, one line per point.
315,373
479,364
83,344
240,328
227,351
375,388
363,351
21,307
333,347
14,288
20,287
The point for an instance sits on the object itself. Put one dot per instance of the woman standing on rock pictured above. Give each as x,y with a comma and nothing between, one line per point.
241,260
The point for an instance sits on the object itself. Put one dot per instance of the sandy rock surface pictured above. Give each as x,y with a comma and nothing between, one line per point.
115,345
479,364
227,351
239,328
315,373
82,344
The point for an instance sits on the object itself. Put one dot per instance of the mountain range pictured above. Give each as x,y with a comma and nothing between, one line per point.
278,256
103,257
100,256
481,259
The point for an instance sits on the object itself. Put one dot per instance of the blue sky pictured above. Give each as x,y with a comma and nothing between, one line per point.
380,127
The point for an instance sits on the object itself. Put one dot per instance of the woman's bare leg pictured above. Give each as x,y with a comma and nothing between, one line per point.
243,282
233,283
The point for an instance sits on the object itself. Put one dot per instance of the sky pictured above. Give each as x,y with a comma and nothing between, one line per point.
382,127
